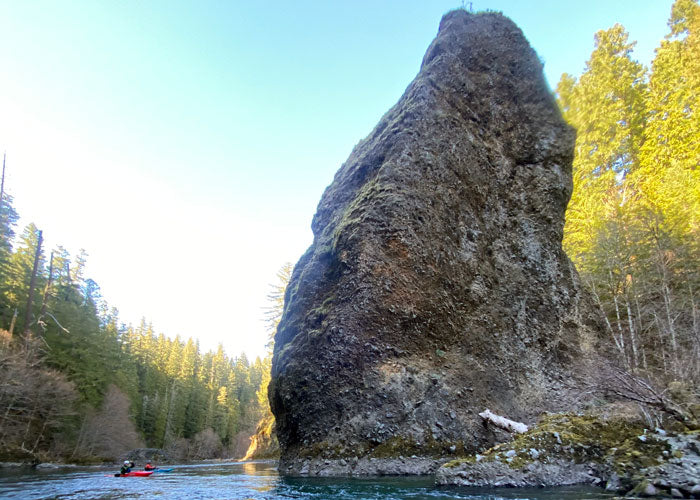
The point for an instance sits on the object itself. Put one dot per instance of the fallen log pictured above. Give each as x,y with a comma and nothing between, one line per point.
503,423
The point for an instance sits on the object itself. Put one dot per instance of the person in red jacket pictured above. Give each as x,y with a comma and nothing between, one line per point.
149,467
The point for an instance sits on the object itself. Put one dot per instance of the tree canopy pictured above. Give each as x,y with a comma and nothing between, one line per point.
633,224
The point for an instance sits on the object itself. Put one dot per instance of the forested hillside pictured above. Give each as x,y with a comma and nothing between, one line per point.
80,385
633,223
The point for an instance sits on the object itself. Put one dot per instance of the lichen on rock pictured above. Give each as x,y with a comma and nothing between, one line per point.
566,449
436,285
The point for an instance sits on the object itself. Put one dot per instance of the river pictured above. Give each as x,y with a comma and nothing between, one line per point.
245,480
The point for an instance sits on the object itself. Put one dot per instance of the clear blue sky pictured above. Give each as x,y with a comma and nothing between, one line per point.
185,144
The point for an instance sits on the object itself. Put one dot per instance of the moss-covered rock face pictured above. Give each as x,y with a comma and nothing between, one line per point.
436,285
577,438
264,443
568,449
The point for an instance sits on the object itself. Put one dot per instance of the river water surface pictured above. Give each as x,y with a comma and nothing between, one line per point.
245,480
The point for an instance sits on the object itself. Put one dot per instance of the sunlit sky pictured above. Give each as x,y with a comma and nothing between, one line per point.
185,144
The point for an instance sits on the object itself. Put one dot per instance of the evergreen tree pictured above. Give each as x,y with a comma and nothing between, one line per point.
221,414
78,346
669,177
667,186
632,224
120,365
20,275
175,392
181,366
606,106
195,412
8,221
264,443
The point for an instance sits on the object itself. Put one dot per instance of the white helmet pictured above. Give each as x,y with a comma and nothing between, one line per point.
126,462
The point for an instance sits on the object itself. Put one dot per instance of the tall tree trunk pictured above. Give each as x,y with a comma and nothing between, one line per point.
41,435
81,436
47,289
70,281
696,331
619,343
171,411
12,323
641,332
662,340
633,335
694,311
619,329
32,284
670,321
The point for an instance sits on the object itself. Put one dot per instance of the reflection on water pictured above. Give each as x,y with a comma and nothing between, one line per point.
246,480
255,469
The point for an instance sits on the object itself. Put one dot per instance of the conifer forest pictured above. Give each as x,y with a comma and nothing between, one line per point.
80,385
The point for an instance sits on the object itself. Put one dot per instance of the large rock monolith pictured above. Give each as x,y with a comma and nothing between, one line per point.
436,285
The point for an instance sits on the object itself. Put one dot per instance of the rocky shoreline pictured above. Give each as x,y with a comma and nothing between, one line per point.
616,454
361,466
620,456
138,455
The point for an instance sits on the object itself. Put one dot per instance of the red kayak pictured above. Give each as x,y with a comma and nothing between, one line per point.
136,473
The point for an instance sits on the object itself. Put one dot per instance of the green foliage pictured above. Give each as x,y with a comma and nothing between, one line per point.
264,443
18,277
669,176
174,392
8,220
633,223
606,105
633,229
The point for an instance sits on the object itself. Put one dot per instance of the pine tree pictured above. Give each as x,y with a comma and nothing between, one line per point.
264,443
181,366
8,221
606,106
667,187
196,407
75,335
632,224
20,275
669,177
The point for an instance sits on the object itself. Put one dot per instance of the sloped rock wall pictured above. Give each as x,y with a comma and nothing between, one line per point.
436,285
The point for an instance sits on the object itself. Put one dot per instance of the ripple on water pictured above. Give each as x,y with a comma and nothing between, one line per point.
247,480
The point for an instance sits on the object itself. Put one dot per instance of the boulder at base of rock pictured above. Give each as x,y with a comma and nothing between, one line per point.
565,449
436,285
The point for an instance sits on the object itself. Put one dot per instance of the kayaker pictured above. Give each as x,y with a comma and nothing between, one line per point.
149,467
126,467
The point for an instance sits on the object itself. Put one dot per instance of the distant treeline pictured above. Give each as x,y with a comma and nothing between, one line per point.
633,223
79,385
